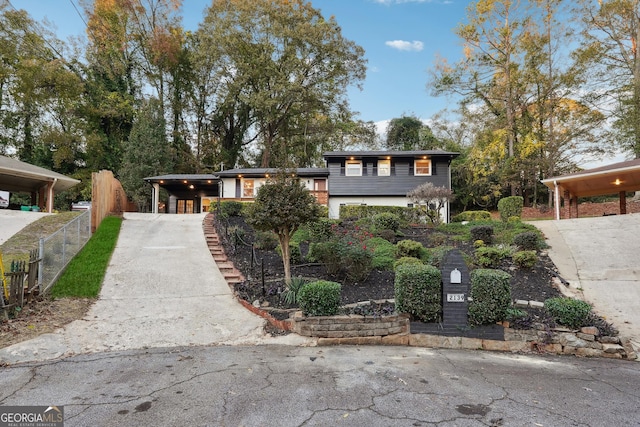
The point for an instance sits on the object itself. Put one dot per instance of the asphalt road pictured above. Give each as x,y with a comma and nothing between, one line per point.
328,386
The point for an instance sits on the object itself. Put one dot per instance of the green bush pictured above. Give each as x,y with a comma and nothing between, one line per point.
436,255
437,239
321,230
527,241
384,253
569,312
491,296
356,261
386,221
327,253
412,248
472,216
405,214
525,259
231,208
266,240
388,235
490,256
482,232
418,291
510,206
406,260
321,298
237,234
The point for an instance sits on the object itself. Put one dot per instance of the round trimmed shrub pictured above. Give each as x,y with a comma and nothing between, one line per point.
320,298
411,248
527,241
491,295
510,206
386,221
472,216
482,232
569,312
231,208
406,260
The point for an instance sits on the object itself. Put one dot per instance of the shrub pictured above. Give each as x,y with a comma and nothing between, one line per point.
437,239
231,208
406,260
327,253
321,298
363,211
386,221
356,260
482,232
266,240
478,244
525,259
412,248
569,312
490,256
418,291
491,296
472,216
388,235
384,253
321,229
527,241
510,206
436,255
236,234
291,294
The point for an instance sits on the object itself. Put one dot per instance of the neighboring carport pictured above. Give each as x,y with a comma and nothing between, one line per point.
41,183
617,178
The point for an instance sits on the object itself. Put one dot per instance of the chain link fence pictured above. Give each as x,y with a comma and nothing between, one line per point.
58,249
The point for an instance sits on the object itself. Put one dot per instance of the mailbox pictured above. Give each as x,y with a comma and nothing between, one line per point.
456,277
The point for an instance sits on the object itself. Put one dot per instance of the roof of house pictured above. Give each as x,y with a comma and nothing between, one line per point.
18,176
261,172
609,179
380,153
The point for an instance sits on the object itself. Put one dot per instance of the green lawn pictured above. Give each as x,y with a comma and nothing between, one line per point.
85,273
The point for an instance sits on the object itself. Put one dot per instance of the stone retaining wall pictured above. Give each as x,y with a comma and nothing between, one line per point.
349,326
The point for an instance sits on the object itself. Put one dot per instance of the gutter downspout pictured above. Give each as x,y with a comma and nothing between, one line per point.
50,196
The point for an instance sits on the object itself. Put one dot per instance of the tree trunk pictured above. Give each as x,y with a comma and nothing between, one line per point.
286,257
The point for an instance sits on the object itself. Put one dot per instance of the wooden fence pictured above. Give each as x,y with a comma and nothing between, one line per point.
107,198
20,284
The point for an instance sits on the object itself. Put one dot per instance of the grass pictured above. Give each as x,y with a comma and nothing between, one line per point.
18,246
85,273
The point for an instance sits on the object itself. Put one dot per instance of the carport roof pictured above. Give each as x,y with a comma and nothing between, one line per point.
610,179
17,176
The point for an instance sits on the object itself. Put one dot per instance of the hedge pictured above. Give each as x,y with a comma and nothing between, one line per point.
321,298
418,291
491,296
510,207
472,216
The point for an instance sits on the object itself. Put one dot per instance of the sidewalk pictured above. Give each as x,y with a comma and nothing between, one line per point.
162,289
599,257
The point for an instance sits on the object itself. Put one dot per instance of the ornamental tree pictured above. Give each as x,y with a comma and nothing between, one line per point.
282,205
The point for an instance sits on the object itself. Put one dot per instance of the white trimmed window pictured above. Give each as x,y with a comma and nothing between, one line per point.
247,188
353,168
422,167
384,167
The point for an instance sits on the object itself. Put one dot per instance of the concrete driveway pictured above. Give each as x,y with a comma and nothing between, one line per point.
13,221
600,257
162,289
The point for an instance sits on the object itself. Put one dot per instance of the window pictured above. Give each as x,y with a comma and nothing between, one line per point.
422,167
353,168
247,188
384,167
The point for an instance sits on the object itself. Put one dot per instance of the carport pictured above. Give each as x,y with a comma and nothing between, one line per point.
188,193
21,177
617,178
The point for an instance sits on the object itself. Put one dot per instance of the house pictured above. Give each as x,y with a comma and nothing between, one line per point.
380,178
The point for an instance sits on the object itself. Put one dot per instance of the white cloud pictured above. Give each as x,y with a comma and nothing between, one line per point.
414,46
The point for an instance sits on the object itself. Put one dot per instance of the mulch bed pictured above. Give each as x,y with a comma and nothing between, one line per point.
527,284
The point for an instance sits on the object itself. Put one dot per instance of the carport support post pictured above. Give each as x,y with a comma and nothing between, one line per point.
623,202
155,197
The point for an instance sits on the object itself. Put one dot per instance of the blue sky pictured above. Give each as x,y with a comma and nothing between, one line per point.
401,39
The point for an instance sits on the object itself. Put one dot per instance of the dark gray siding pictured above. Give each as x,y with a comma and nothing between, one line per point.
401,181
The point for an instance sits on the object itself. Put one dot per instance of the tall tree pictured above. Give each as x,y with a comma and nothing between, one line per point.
146,154
612,50
489,71
281,60
409,133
